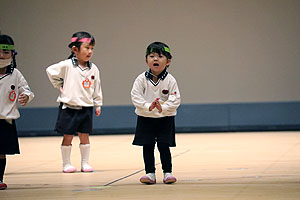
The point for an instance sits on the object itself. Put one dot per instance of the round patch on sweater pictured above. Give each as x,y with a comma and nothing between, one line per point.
86,83
12,96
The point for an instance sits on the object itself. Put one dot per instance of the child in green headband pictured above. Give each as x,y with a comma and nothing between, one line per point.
13,89
156,96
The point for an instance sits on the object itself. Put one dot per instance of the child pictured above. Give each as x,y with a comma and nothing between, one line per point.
78,81
156,96
13,89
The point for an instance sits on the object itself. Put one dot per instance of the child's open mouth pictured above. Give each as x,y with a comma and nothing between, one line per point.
155,64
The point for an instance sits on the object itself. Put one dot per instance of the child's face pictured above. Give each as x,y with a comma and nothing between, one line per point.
5,54
85,53
157,62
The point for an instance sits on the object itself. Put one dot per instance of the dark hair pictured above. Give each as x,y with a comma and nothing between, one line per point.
6,39
160,48
75,41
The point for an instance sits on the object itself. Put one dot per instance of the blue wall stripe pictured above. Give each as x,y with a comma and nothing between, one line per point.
190,118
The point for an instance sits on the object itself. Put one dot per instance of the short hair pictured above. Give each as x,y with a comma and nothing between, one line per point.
160,48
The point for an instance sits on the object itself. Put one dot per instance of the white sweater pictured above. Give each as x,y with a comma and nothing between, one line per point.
144,92
9,83
71,78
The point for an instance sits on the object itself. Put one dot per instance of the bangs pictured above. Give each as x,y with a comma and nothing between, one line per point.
157,50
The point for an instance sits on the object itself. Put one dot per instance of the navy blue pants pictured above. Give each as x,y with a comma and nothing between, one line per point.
165,157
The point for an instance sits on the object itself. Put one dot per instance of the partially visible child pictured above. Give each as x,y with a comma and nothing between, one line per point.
156,96
78,81
13,89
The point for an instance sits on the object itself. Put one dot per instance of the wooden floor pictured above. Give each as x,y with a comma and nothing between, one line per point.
256,166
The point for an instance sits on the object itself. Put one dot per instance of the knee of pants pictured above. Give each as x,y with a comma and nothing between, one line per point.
163,147
149,147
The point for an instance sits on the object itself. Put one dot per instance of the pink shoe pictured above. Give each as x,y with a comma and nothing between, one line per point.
3,186
86,168
69,169
148,179
169,178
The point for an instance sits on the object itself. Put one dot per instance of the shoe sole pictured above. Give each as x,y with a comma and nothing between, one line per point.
87,170
170,181
147,181
71,171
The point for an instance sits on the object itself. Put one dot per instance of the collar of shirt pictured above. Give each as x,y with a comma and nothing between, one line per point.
161,76
9,70
75,62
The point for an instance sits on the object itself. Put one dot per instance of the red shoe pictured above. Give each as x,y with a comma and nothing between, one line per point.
3,186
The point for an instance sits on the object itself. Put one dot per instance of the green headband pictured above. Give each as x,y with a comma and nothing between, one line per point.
7,47
167,49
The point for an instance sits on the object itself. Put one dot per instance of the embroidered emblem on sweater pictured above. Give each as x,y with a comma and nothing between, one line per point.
165,91
86,83
12,95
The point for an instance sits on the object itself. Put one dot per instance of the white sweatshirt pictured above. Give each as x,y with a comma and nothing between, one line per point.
11,86
81,87
145,91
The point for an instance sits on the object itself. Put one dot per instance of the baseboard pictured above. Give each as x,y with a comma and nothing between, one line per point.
227,117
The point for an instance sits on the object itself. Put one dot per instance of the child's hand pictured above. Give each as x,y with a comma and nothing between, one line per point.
158,106
61,90
23,99
153,105
98,112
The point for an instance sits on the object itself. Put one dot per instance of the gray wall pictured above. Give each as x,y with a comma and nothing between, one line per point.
224,50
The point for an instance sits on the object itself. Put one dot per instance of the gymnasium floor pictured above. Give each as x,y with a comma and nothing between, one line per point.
256,165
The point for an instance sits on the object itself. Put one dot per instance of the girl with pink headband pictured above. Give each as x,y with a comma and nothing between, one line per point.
78,81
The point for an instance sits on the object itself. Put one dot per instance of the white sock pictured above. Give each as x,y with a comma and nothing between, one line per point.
66,153
85,154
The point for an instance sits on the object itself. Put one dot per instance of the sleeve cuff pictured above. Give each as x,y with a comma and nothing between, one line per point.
96,107
146,106
29,94
164,108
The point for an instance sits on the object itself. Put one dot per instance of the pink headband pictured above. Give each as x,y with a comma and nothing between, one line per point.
75,39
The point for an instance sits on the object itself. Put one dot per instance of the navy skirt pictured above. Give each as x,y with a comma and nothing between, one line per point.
9,143
151,130
70,121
